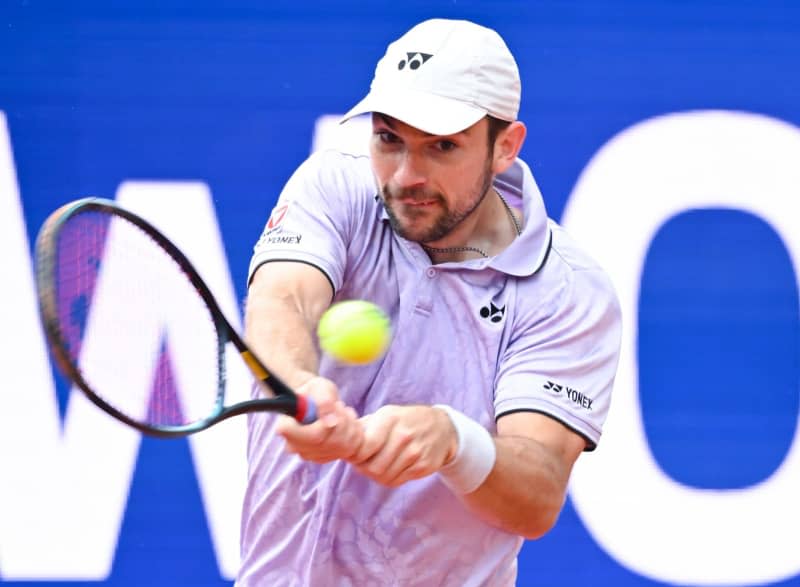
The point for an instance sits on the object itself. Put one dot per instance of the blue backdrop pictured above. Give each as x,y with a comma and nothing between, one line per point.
228,94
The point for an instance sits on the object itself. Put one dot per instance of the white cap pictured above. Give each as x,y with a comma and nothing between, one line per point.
443,76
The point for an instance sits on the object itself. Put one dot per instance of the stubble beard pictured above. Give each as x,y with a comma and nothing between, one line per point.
447,220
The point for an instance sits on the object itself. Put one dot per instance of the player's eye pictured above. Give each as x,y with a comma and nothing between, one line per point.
387,137
445,146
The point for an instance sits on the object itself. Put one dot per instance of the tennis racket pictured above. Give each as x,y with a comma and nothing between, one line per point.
104,270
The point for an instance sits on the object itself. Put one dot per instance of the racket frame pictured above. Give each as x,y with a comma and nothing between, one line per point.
284,401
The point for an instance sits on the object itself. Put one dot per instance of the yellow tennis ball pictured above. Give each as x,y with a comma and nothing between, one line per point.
355,332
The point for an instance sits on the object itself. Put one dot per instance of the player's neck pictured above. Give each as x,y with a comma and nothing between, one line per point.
487,232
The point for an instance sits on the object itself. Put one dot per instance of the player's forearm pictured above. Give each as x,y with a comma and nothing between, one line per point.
525,490
280,334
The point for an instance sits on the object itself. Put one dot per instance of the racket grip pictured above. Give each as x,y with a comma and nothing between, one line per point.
306,410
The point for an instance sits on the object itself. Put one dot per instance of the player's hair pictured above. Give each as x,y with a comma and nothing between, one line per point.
496,126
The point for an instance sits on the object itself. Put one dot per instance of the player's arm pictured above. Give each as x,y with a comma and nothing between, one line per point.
284,303
526,488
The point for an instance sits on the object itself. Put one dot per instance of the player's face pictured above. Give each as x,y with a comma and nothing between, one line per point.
430,184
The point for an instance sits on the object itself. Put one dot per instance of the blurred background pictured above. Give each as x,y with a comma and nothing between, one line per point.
663,134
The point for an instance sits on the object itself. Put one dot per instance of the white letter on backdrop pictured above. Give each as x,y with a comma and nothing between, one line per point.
65,489
647,174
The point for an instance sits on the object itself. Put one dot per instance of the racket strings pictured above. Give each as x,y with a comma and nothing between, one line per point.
133,324
164,405
78,255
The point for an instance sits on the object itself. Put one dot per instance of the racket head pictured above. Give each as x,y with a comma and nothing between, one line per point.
91,250
90,254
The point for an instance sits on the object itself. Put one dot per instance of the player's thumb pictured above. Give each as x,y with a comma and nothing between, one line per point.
323,392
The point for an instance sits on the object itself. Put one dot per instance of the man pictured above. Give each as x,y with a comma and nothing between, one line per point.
433,464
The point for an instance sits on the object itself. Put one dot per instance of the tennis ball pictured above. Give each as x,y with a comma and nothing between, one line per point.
355,332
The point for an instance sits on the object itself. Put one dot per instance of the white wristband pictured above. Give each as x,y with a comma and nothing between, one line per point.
474,458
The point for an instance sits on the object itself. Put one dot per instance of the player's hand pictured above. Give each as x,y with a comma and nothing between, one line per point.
402,443
337,432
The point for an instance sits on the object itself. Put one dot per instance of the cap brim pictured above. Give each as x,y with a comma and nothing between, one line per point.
429,113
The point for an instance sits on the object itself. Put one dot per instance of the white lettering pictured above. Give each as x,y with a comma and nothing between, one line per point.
643,518
219,453
64,492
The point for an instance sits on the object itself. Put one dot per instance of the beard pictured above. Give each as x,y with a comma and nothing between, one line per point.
446,221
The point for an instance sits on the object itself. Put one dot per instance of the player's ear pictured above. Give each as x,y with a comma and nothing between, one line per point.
507,146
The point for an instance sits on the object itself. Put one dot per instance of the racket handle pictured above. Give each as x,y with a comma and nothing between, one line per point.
306,410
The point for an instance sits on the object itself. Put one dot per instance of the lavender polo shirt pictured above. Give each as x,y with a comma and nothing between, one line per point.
536,328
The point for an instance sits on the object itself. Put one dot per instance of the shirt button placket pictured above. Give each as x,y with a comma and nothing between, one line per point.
425,297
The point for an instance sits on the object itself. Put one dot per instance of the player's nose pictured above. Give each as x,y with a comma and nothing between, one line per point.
410,172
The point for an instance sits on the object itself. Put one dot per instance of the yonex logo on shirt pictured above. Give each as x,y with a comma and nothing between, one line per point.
414,60
573,395
554,387
283,239
492,312
277,216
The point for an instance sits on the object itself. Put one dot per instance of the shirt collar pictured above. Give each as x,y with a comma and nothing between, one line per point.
528,252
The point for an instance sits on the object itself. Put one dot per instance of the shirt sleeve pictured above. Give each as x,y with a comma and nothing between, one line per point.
563,362
315,215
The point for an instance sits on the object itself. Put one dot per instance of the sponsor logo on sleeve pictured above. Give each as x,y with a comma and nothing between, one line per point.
276,218
274,231
572,394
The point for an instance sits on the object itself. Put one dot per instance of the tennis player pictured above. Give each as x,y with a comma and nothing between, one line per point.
433,464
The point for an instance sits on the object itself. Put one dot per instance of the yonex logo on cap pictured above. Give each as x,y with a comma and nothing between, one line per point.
414,60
